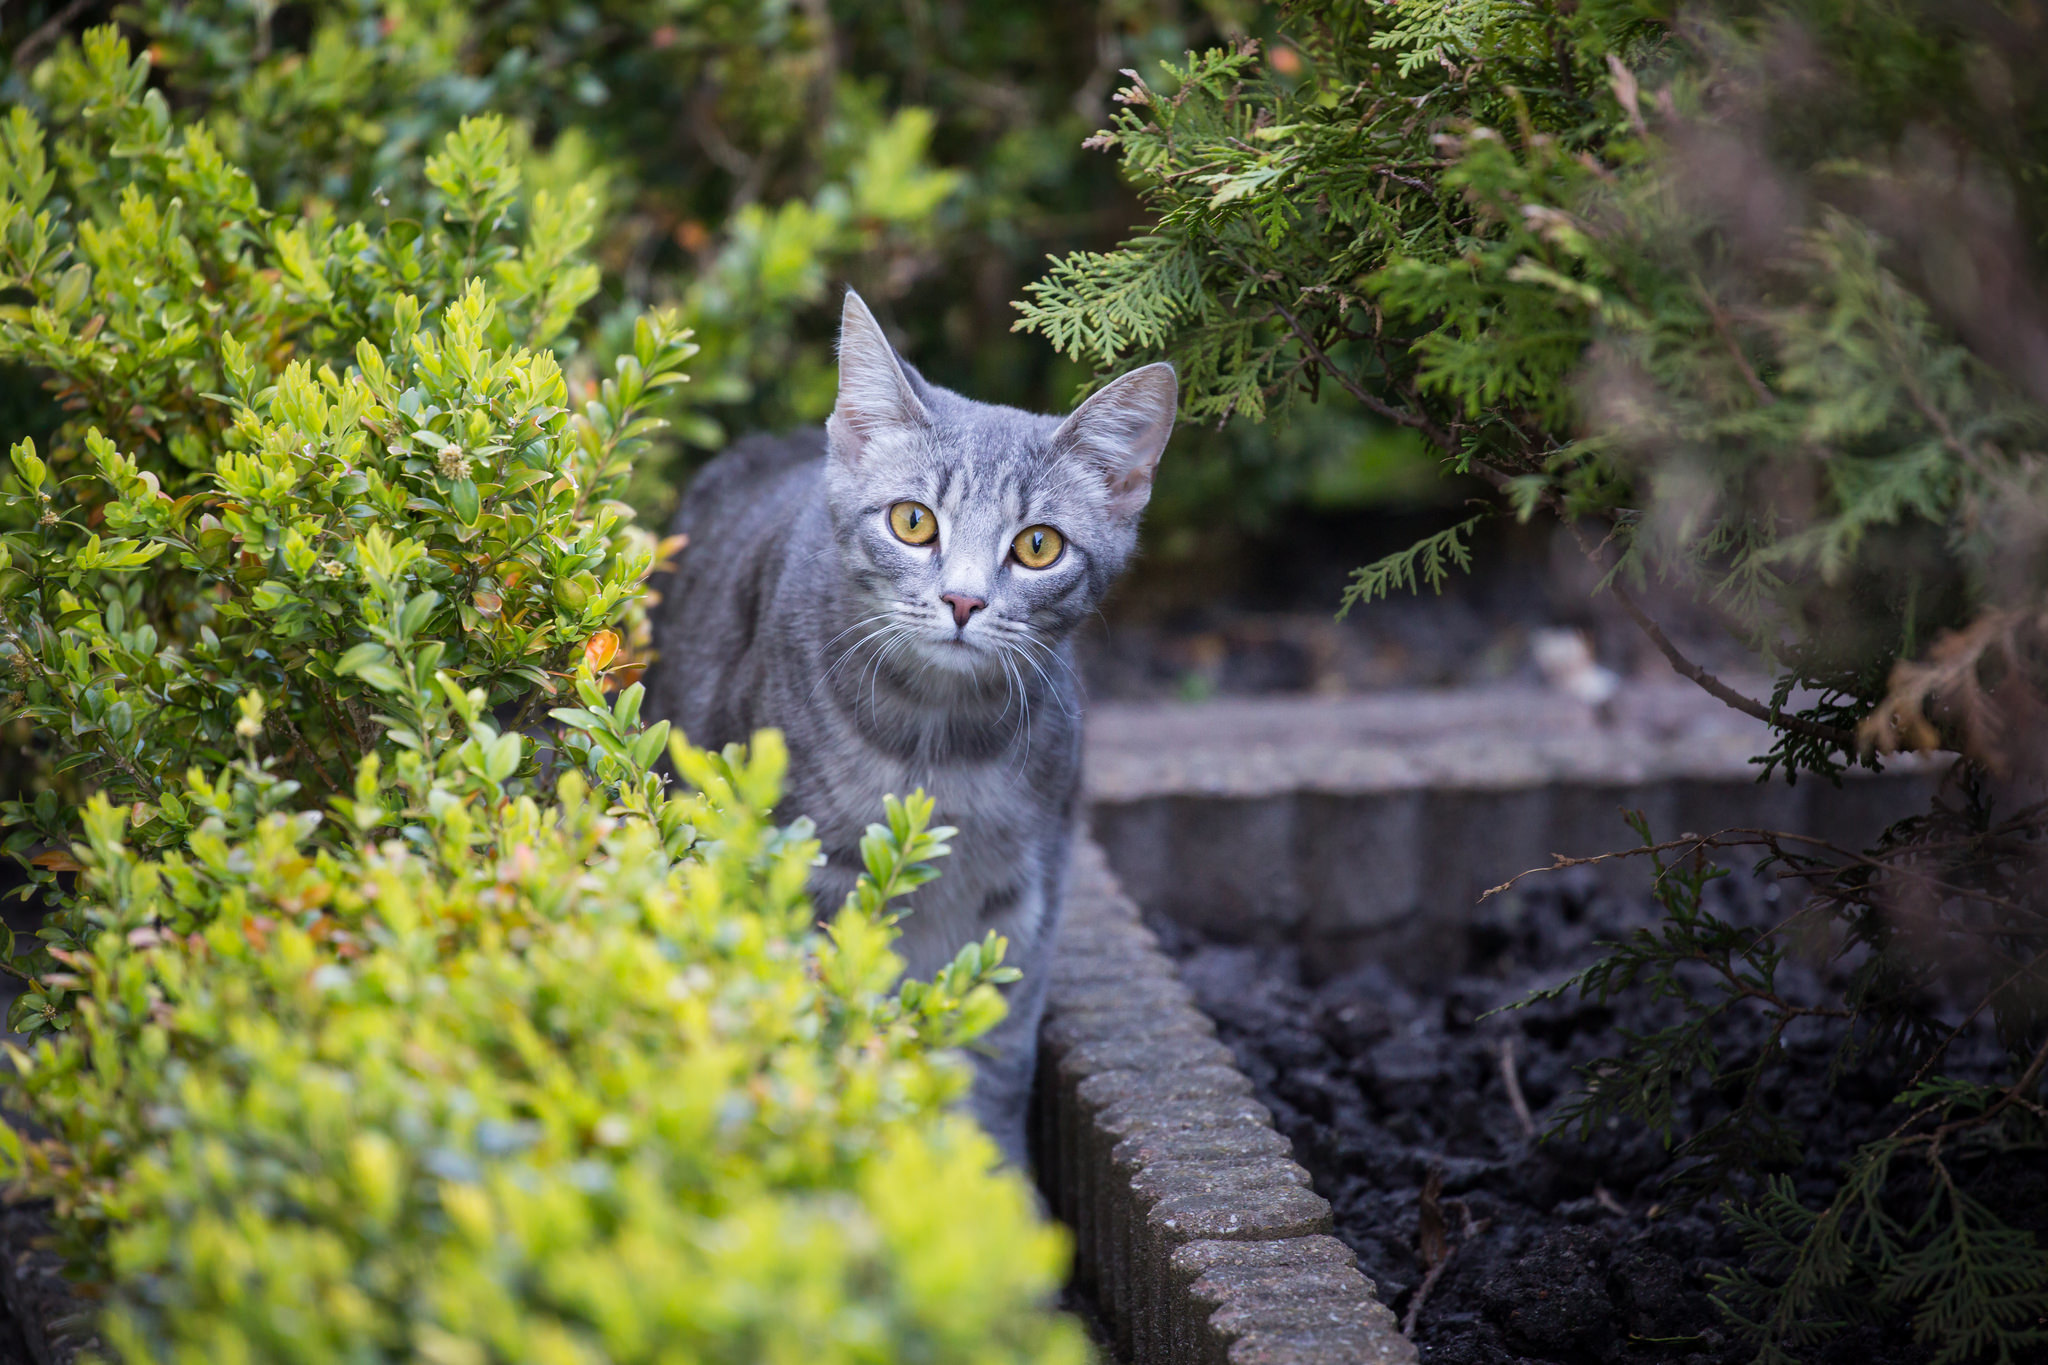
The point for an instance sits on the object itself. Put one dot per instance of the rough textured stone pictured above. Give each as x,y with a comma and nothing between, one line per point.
1314,1311
1259,1202
1145,995
1148,1141
1153,1289
1119,1202
1141,1054
1142,1112
1087,969
1239,1140
1086,1135
1186,1327
1058,1078
1326,1344
1107,1089
1192,1261
1068,1043
1066,1029
1096,1139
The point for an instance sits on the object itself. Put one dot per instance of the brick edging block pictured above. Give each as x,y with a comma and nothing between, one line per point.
1196,1234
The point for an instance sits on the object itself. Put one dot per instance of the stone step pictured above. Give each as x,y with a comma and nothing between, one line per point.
1371,826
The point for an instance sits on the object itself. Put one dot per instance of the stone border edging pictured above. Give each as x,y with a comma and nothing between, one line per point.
1367,828
1196,1234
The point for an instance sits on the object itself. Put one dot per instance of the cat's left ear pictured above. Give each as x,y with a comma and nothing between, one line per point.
1121,431
876,395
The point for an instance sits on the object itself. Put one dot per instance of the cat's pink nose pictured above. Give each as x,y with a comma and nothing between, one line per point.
963,605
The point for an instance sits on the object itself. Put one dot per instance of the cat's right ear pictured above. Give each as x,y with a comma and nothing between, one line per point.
875,395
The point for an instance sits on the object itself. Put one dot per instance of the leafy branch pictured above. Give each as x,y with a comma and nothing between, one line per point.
1429,561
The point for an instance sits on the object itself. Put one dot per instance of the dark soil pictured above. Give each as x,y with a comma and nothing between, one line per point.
1566,1251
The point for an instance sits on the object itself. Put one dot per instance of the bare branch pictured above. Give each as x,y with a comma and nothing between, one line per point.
1513,1081
1765,838
1366,397
1749,706
48,31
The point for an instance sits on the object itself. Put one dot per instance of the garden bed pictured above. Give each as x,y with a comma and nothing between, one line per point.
1564,1249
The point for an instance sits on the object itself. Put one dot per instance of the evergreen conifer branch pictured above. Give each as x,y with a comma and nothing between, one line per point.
1428,561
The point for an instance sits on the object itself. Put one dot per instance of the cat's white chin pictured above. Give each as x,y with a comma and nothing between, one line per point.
958,656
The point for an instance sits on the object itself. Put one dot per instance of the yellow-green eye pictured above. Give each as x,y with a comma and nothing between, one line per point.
913,523
1037,546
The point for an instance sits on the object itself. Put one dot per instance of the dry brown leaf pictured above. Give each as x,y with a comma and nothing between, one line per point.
1944,700
599,649
1432,1240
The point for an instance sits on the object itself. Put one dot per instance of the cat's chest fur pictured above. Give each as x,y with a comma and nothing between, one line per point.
1014,814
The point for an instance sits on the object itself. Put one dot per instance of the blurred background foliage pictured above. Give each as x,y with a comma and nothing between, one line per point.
755,156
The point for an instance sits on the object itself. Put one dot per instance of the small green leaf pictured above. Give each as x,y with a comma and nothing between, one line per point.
464,502
361,656
383,677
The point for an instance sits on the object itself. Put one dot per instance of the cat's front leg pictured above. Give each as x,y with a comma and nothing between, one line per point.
1006,1063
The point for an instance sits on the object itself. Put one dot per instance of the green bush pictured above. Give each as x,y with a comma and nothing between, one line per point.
526,1087
1746,296
388,1004
302,527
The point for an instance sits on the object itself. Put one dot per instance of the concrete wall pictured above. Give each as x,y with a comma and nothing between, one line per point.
1371,827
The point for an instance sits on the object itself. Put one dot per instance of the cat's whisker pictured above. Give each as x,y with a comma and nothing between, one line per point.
1023,707
906,634
1051,688
1009,691
1009,687
865,620
1024,634
851,650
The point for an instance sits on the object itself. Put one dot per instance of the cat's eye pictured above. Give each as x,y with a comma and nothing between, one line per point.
913,523
1036,547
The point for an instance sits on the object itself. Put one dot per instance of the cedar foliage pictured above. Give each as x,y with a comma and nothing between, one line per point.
1750,296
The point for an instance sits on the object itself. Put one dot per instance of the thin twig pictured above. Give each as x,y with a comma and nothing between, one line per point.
1844,740
2019,497
48,30
305,752
2012,1095
1436,1272
1767,838
2032,968
1728,343
1365,396
1513,1082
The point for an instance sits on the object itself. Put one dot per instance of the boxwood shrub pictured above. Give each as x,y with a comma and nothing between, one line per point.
389,1004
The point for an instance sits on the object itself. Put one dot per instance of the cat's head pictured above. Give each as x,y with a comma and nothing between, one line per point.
978,534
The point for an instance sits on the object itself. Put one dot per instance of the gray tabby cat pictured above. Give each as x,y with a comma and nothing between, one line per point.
895,593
